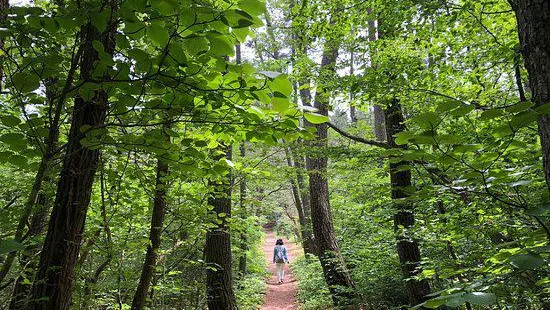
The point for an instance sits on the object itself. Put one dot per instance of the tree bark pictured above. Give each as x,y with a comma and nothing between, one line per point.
379,123
217,251
379,127
242,198
4,6
54,280
407,248
533,20
157,220
306,237
335,271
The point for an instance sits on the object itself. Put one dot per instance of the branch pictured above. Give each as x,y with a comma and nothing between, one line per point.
359,139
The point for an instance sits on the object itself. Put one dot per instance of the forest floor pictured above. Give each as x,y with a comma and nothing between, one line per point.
280,296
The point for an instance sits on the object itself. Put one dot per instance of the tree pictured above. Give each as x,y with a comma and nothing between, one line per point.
60,250
217,250
533,21
401,184
157,220
4,6
336,274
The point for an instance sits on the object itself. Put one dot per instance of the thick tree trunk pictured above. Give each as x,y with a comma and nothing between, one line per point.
334,268
533,19
407,248
217,251
157,220
53,284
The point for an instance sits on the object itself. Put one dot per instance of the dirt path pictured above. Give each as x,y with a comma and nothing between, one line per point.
280,296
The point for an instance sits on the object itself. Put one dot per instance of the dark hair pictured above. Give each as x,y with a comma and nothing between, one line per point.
279,242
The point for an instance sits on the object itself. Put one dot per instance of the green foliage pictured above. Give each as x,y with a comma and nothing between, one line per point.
313,292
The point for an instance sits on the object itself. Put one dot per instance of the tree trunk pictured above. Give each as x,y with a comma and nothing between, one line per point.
242,188
407,248
242,198
379,127
4,6
157,219
303,189
379,123
352,108
335,271
53,284
533,19
305,225
217,250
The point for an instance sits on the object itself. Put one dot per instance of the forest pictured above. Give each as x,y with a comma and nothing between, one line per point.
152,150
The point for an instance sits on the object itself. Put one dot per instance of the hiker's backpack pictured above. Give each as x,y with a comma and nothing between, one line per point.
280,257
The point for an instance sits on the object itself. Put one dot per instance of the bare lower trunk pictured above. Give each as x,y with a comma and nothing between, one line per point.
157,220
54,280
407,247
217,251
533,19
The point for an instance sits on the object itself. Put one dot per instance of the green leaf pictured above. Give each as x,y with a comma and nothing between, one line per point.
434,303
253,7
519,107
165,7
490,114
18,160
176,51
98,46
280,104
13,139
220,45
159,35
10,245
315,118
480,298
10,120
526,261
240,33
25,83
99,20
282,85
195,45
463,110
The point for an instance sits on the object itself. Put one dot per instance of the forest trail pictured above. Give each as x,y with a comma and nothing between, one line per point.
280,296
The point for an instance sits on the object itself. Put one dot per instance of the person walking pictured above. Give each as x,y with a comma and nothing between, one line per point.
280,258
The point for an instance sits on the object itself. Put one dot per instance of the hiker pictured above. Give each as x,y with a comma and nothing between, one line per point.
280,258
